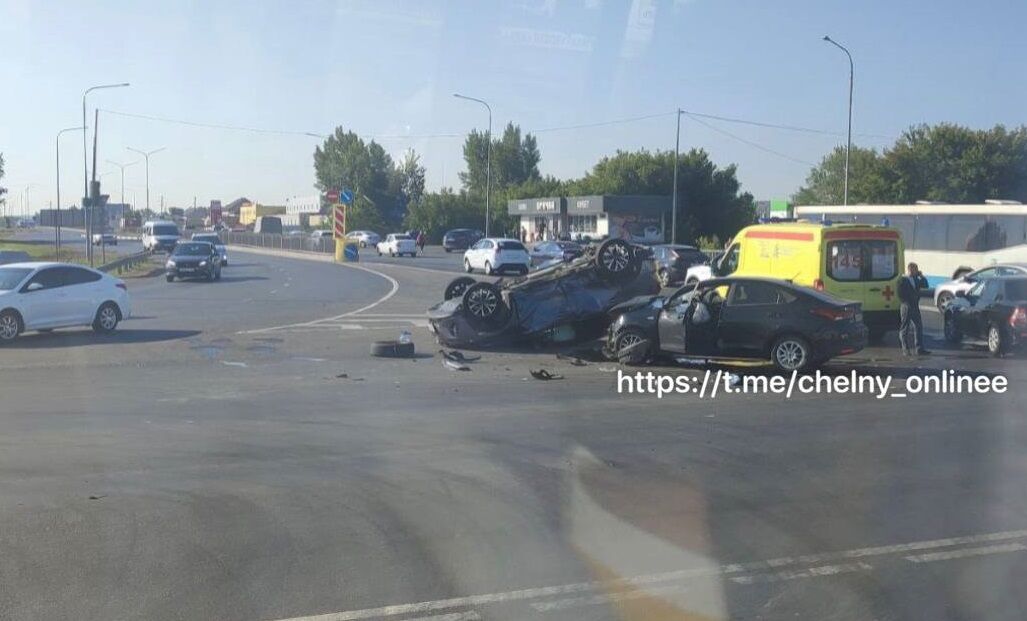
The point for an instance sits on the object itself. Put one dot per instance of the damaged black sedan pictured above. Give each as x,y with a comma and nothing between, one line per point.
738,318
562,303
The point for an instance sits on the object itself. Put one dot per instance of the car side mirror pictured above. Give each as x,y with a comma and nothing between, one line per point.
33,286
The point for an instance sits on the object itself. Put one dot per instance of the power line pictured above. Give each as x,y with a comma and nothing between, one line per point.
256,130
748,142
794,128
602,123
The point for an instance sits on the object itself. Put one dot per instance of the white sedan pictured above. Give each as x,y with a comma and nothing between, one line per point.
945,292
364,238
493,255
397,244
44,296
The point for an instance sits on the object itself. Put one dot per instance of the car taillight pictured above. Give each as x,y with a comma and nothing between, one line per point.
818,284
832,314
1019,318
122,286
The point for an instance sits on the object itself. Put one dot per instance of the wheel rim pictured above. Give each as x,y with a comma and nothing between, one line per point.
108,318
615,258
790,354
629,340
993,339
8,327
458,290
482,303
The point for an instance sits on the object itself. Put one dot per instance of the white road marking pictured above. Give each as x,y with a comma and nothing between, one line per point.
811,572
230,363
966,552
724,570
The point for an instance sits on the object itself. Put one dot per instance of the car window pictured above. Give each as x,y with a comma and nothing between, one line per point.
516,245
989,272
1008,271
989,290
79,276
165,229
975,291
11,276
50,278
192,249
1016,290
751,293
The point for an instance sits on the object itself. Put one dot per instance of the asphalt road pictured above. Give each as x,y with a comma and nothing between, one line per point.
234,453
75,239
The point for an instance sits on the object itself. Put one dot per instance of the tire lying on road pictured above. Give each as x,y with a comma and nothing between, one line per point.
392,349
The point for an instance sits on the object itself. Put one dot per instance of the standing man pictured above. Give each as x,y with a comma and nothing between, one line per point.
909,311
420,241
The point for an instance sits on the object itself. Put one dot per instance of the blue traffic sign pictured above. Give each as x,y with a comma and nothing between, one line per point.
346,196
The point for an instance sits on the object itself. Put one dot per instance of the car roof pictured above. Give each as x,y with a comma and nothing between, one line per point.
40,264
501,239
1018,264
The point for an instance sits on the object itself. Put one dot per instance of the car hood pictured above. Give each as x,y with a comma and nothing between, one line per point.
634,303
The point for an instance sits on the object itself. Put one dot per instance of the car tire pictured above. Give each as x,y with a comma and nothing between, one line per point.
791,353
483,304
944,298
11,326
107,318
392,349
615,260
457,287
997,341
488,269
467,267
632,346
170,278
952,333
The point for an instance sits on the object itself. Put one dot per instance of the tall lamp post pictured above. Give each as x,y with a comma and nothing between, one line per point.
488,157
122,167
848,146
85,162
674,200
25,199
146,156
57,220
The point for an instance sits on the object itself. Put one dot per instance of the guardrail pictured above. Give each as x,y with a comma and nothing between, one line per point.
303,243
126,262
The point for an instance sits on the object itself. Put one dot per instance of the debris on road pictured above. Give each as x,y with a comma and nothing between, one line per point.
458,356
454,366
573,360
392,349
542,374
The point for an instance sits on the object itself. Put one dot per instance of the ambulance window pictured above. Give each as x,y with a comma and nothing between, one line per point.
845,260
884,259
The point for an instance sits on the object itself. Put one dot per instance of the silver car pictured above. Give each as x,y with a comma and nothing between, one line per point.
945,292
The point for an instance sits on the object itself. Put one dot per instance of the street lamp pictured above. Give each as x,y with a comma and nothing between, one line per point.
674,201
146,156
85,161
848,146
57,220
488,157
122,167
25,199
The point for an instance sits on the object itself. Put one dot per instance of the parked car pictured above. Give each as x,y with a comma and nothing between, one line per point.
993,310
105,239
795,328
397,244
271,225
673,261
194,259
160,235
547,252
324,234
946,292
564,302
44,296
365,239
219,245
494,255
460,239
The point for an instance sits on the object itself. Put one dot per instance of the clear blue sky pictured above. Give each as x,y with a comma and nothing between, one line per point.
389,68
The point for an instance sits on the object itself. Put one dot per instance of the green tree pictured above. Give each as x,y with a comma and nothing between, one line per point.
346,161
3,190
825,184
515,160
410,177
441,211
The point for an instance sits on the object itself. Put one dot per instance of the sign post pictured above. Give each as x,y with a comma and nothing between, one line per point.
345,249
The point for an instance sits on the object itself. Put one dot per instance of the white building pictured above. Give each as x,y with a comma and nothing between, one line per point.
299,208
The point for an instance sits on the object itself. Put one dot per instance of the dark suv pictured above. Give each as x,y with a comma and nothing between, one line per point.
993,311
194,260
673,261
460,239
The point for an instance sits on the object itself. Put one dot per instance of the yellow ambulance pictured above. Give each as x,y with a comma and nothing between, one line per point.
857,262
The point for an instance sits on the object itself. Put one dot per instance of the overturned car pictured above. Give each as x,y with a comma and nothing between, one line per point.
561,303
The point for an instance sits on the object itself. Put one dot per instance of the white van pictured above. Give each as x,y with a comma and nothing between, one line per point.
160,235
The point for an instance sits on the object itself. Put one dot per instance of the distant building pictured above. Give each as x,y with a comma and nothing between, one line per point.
641,219
249,212
298,210
234,206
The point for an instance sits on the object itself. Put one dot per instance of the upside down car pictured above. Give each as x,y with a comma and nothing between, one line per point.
562,303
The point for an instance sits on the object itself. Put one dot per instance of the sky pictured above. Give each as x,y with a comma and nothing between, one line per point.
588,77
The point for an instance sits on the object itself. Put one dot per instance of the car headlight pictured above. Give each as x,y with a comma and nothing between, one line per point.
203,264
170,263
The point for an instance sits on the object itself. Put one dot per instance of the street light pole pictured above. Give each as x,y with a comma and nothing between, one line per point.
674,201
57,220
122,167
848,146
85,162
488,158
146,156
25,199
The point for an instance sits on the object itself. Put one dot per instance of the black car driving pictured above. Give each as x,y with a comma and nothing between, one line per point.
460,239
673,260
194,259
993,311
793,327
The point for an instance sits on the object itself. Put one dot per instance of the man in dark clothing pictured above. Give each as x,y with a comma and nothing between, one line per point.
909,311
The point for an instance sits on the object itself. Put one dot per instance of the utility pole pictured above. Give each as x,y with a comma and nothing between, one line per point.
848,145
57,220
488,157
674,201
87,211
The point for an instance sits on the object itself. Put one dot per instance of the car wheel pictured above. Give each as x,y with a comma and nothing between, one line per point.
790,353
107,318
488,268
10,326
392,349
392,254
170,278
632,346
952,334
457,287
996,341
944,298
483,304
467,266
616,260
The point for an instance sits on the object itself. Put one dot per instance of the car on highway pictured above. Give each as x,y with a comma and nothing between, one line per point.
946,292
543,253
494,255
460,239
561,303
44,296
26,223
992,311
219,245
194,259
795,328
364,239
674,260
105,239
323,234
397,245
160,236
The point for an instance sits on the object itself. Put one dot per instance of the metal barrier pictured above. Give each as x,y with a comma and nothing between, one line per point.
301,243
126,262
